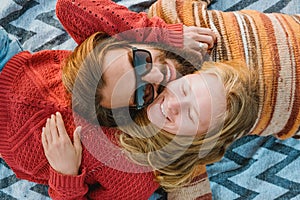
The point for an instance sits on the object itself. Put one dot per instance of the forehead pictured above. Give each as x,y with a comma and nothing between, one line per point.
211,90
119,78
117,61
203,102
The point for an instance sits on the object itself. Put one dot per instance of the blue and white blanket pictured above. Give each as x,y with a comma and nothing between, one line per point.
253,168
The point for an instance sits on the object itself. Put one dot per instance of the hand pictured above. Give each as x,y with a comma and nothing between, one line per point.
193,36
62,155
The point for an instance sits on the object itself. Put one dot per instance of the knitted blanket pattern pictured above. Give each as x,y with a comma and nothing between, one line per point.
35,24
267,43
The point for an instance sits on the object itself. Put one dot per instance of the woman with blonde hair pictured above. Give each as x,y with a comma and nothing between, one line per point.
176,156
265,103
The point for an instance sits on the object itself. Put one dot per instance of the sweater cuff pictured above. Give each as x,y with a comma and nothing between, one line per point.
175,35
59,181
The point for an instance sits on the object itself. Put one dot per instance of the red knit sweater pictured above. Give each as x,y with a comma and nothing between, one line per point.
82,18
31,90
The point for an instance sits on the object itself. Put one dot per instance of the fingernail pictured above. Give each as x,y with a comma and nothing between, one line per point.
78,131
58,114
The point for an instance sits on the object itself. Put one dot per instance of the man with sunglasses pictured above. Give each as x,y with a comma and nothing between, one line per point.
194,40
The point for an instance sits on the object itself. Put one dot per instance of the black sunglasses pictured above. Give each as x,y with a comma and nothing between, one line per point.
142,64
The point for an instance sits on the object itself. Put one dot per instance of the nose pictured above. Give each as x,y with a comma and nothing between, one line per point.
154,76
175,105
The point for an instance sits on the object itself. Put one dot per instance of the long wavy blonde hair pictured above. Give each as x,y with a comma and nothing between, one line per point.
175,158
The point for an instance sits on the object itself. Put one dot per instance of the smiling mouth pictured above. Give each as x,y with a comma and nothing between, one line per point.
163,111
168,74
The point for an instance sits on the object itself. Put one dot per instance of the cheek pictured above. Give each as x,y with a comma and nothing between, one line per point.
152,114
155,117
184,126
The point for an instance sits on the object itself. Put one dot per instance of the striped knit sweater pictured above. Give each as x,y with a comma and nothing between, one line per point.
268,43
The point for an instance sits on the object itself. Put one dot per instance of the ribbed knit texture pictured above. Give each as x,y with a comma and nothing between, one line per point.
268,43
107,16
31,90
198,189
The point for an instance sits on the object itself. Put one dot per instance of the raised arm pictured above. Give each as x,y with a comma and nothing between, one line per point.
82,18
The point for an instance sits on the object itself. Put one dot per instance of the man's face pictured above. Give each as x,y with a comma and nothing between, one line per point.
120,79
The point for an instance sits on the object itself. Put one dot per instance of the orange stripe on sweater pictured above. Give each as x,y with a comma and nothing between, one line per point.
230,31
185,12
292,29
269,72
286,85
200,15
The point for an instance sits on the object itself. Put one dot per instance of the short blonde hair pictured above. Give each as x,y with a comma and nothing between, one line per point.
175,158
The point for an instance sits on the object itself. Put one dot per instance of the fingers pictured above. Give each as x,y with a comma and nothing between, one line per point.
63,155
208,32
47,132
44,140
77,142
53,129
198,34
206,39
60,126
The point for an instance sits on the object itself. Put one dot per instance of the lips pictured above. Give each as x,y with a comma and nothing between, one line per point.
162,109
168,74
171,72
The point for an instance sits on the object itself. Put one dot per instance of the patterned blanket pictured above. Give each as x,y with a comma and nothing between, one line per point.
253,168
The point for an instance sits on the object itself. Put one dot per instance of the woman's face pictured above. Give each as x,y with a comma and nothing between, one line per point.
188,105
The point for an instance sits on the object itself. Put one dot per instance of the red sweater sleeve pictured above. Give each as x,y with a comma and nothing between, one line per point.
82,18
67,187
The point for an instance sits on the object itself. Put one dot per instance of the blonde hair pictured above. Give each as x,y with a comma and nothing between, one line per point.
175,158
